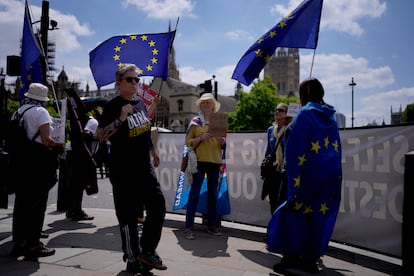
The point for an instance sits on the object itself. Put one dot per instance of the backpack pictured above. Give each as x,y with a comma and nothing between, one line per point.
16,146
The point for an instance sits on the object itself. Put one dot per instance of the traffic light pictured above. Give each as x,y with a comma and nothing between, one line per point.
208,88
13,66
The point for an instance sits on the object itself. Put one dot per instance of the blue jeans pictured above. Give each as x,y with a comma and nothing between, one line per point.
212,171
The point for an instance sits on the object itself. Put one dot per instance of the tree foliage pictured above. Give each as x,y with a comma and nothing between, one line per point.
408,113
254,110
13,105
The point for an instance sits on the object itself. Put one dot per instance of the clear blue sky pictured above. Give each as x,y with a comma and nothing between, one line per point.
369,40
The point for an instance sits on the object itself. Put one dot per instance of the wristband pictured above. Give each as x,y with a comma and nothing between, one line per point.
117,123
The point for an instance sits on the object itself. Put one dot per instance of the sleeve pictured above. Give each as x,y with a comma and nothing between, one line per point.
107,116
269,143
190,135
43,117
91,125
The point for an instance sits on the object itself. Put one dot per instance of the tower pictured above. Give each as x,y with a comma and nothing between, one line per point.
283,70
172,66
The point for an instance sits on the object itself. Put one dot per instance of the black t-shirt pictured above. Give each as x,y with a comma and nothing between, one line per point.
131,143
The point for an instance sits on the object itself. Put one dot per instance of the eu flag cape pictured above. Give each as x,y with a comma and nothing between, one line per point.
304,223
300,29
149,52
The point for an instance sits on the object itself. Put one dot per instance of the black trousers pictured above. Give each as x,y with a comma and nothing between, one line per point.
131,190
81,173
38,175
277,189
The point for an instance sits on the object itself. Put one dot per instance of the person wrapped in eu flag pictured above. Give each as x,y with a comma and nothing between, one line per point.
301,227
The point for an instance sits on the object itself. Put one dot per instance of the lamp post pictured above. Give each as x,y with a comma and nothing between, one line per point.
352,84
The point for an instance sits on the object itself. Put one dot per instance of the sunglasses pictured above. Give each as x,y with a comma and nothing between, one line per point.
130,79
280,110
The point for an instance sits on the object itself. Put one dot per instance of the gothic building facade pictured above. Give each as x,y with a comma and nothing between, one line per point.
396,116
283,70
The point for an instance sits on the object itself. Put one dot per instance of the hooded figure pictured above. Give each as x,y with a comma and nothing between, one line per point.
301,227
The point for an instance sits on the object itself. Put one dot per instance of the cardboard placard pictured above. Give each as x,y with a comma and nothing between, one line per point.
217,126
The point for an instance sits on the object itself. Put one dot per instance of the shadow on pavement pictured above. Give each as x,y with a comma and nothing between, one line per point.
365,261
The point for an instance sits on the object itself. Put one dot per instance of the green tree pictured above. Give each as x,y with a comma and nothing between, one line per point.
408,114
13,105
254,110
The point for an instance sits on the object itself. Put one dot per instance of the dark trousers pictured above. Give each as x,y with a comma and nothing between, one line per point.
82,173
212,170
277,189
38,175
29,212
131,192
76,185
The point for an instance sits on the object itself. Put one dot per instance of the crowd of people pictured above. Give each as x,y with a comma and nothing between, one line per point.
303,194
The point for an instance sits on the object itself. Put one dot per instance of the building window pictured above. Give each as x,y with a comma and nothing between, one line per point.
180,104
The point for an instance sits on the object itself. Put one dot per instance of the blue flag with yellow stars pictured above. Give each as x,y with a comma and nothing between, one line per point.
149,52
30,66
304,223
299,29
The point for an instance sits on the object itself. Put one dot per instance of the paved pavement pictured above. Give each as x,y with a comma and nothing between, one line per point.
94,248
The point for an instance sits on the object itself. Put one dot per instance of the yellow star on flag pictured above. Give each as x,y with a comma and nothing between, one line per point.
315,147
302,160
324,208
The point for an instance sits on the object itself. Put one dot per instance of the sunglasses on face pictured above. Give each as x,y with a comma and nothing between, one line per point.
280,110
130,79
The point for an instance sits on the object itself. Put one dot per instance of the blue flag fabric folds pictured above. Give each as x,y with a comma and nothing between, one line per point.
30,63
300,29
305,222
223,202
183,191
149,52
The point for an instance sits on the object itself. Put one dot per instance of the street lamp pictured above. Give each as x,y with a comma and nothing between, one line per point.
352,84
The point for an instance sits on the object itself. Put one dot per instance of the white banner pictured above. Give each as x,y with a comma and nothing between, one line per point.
59,124
372,190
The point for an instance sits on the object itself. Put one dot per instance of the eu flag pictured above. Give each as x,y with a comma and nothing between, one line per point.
304,223
149,52
300,29
30,66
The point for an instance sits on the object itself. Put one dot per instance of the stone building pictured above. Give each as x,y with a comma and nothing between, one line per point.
283,70
396,116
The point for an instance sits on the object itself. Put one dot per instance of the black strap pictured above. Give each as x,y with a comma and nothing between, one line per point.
38,131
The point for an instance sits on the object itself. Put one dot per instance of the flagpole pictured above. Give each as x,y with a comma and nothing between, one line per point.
176,24
313,59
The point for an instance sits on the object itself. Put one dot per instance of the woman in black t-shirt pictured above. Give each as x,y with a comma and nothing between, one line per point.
126,124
